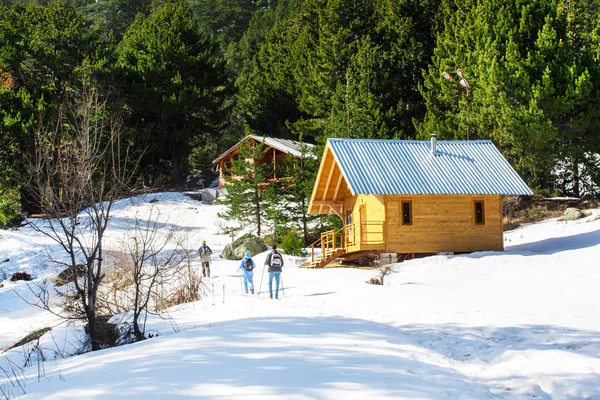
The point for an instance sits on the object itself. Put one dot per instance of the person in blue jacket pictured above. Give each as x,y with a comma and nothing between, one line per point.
247,266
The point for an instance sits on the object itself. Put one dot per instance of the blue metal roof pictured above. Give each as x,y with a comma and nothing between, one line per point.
372,166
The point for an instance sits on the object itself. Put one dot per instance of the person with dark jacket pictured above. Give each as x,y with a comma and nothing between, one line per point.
205,252
274,261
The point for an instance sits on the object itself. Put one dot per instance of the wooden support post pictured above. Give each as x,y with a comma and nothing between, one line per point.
334,237
274,163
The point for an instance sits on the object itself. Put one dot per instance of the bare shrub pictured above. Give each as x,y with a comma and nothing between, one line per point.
151,269
14,381
79,168
383,270
190,286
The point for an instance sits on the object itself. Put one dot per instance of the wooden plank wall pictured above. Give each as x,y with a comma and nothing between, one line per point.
444,223
375,212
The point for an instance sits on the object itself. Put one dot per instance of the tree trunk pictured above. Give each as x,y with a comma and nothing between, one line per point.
576,179
257,203
176,166
93,332
30,201
139,336
304,221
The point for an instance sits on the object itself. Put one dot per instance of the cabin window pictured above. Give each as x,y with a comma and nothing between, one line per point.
406,212
479,212
349,219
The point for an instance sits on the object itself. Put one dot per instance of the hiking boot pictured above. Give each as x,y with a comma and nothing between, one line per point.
270,296
276,298
252,291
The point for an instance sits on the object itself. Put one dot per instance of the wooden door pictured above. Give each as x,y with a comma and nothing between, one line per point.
363,223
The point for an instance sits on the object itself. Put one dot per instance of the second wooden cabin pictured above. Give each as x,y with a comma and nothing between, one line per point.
403,196
276,150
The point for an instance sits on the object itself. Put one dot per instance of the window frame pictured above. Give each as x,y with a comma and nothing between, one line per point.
475,203
410,212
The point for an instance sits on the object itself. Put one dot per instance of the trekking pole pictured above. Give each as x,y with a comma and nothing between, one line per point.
241,285
261,281
282,287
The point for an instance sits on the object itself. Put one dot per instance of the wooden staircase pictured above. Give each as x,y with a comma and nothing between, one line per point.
332,247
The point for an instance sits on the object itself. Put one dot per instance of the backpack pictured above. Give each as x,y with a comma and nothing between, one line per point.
204,251
276,260
248,264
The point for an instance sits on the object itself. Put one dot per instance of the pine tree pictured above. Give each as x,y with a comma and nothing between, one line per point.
247,183
291,193
46,51
176,84
531,76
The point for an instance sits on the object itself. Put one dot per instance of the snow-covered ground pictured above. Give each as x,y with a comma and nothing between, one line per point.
522,324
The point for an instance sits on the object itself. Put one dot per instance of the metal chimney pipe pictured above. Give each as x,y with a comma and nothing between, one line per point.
433,143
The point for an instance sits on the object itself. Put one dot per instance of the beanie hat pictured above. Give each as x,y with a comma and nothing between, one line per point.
204,242
248,254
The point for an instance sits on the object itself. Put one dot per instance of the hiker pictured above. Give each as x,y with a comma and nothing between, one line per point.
247,266
205,252
275,262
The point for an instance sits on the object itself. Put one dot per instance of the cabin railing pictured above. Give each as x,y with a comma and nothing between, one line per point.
364,233
330,242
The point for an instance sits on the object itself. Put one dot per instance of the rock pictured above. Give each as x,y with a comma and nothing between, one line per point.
221,192
572,214
209,195
35,335
68,274
21,276
107,334
237,249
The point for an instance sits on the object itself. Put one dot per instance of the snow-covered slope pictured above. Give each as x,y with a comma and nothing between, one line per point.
521,324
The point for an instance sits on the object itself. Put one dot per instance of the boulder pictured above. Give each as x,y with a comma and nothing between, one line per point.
69,274
221,192
21,276
571,214
247,242
209,195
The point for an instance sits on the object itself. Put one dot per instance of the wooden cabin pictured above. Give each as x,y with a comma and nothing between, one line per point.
409,196
278,150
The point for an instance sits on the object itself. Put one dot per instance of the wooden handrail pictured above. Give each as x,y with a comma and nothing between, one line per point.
328,243
358,229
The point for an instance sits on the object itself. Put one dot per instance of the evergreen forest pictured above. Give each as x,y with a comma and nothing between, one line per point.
185,80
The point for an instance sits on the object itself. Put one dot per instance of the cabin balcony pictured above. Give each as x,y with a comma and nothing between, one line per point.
349,242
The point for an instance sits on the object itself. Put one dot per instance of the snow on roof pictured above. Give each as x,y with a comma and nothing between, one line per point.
285,145
372,166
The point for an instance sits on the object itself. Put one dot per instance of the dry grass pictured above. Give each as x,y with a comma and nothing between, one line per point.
519,210
529,215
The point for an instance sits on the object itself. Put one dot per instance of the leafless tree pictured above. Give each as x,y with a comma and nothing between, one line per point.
79,169
152,270
153,260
